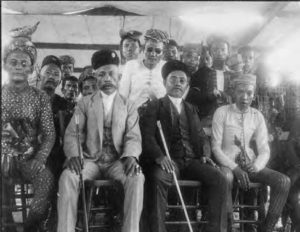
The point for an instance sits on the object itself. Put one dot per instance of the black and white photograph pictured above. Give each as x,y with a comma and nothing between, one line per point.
150,116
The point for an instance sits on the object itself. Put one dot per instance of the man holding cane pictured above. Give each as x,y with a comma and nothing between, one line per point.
188,147
111,145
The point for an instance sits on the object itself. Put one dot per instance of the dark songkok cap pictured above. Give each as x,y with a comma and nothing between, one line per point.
66,59
132,34
157,35
172,42
51,60
173,65
104,57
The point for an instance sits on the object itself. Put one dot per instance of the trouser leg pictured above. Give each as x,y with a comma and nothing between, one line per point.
134,193
68,195
158,183
280,185
229,178
294,198
217,187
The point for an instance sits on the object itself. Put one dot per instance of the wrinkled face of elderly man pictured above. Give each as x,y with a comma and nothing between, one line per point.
244,94
107,78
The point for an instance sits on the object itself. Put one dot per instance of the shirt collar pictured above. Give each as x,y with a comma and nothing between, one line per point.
237,110
175,101
108,97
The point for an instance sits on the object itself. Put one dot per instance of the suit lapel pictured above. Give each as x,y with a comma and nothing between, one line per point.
191,121
97,106
119,113
166,118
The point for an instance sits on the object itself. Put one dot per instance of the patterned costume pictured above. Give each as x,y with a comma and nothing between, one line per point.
31,110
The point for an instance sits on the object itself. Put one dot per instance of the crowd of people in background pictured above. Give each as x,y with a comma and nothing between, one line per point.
222,119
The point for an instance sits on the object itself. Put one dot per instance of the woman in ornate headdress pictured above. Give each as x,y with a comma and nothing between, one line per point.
28,132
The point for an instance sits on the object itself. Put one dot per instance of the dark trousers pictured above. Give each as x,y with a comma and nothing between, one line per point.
279,184
294,197
214,182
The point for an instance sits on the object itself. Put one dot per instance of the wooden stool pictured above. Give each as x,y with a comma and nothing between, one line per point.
99,208
257,207
192,205
18,202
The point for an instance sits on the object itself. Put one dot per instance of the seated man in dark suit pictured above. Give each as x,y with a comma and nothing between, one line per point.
189,150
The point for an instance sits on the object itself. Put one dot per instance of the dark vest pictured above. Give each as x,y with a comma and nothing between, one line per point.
180,140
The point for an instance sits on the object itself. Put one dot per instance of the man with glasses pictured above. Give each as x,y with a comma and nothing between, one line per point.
141,80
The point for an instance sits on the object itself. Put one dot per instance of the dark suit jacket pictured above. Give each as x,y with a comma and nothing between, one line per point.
201,91
160,109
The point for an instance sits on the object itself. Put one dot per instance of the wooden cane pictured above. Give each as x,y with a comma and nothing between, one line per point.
174,176
82,187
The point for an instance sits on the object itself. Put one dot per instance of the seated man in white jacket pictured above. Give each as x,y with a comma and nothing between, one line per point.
233,128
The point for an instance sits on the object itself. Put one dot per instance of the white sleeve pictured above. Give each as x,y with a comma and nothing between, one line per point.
217,138
262,143
125,82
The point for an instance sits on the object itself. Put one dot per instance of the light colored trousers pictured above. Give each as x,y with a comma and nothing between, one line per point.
69,193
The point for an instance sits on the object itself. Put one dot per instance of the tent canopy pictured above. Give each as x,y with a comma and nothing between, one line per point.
79,28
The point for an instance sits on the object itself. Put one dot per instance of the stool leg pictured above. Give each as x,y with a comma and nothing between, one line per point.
242,210
24,205
89,201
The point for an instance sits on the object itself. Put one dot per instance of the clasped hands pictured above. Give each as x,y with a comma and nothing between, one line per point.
130,164
242,175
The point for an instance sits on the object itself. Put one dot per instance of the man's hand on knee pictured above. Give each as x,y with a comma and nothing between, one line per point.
166,164
242,178
131,166
74,165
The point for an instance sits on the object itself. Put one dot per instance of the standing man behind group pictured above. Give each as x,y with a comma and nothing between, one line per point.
210,86
141,80
130,46
111,144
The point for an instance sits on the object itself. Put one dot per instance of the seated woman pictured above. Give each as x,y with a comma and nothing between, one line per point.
26,113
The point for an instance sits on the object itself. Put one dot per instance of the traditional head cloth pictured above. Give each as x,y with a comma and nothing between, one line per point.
157,35
21,41
66,59
51,60
104,57
134,35
246,79
173,65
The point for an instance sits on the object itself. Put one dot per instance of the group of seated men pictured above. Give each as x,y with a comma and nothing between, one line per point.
117,120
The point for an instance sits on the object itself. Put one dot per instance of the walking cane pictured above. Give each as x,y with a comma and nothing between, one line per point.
81,182
174,176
